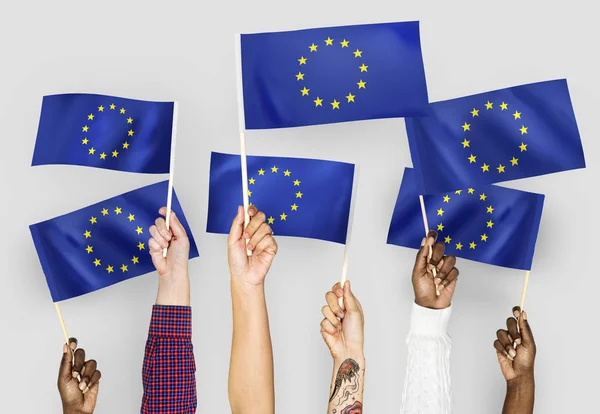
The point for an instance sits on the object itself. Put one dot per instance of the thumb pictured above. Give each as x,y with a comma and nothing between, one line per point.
526,334
237,227
350,301
420,268
64,373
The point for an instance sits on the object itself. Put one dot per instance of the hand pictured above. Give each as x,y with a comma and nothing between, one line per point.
173,279
516,347
343,327
431,256
250,270
78,397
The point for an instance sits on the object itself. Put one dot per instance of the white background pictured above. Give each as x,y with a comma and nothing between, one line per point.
172,50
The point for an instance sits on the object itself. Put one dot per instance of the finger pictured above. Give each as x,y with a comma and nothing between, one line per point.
516,312
161,226
237,227
420,267
73,344
330,316
176,227
350,301
447,264
328,327
334,305
94,383
526,333
64,372
79,361
438,253
159,239
267,244
88,370
262,231
252,210
337,289
506,342
452,276
502,355
255,222
513,331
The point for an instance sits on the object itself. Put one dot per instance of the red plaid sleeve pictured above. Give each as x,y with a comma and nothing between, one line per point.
169,372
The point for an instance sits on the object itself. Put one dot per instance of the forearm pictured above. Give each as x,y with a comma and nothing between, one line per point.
251,383
520,395
347,384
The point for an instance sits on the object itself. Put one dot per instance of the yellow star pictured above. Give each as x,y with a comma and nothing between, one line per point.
302,60
490,209
361,84
459,246
503,106
131,217
115,154
471,191
294,207
357,53
490,224
299,76
489,105
458,192
122,111
261,172
475,112
448,239
110,269
484,237
482,197
126,145
514,161
249,193
103,156
523,147
112,107
283,216
304,91
85,141
287,173
130,120
350,97
299,194
517,115
344,43
446,199
97,262
104,212
472,159
85,128
252,181
523,130
100,108
318,102
90,117
135,260
141,246
93,220
440,227
274,169
335,104
363,68
472,245
313,48
500,169
92,151
296,183
466,127
130,133
89,249
466,143
271,220
118,210
440,212
139,230
329,41
485,167
124,268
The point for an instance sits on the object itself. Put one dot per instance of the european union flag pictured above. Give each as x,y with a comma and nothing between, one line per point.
103,244
496,136
487,223
105,132
301,197
332,74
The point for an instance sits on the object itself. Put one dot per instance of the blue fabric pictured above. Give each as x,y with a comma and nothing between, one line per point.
105,132
463,217
116,240
393,72
320,190
533,124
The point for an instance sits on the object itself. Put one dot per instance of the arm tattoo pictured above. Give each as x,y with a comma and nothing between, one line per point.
346,388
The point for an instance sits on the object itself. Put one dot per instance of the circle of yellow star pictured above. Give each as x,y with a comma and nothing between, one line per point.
115,154
87,234
485,167
302,60
130,133
251,180
472,159
249,193
122,110
299,194
357,53
131,217
299,76
283,217
500,169
361,84
123,268
514,161
110,269
271,220
482,197
489,105
304,91
113,107
274,169
118,210
490,224
363,68
466,127
490,209
523,130
130,120
459,246
93,220
313,48
97,262
89,249
471,191
446,199
329,41
440,212
484,237
466,143
503,106
85,141
126,145
318,102
440,227
523,147
141,246
517,115
92,151
344,43
350,97
458,192
139,230
287,173
104,212
296,183
475,112
85,128
135,260
294,207
90,117
100,108
335,104
448,239
103,156
472,245
261,172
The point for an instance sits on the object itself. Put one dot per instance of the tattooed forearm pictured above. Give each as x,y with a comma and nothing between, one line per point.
347,389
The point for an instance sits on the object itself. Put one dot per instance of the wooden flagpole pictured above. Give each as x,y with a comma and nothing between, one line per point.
426,225
62,322
349,232
171,168
524,289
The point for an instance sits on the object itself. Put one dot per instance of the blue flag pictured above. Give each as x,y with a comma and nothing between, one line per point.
487,223
332,74
301,197
495,136
105,132
103,244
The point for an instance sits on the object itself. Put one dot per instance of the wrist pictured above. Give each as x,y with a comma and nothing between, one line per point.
173,291
522,382
357,355
240,285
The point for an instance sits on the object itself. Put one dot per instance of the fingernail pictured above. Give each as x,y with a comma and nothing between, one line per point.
340,315
440,288
65,348
82,385
250,247
246,236
83,371
437,280
516,314
524,315
518,341
75,374
423,241
86,390
510,358
509,338
512,353
339,292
